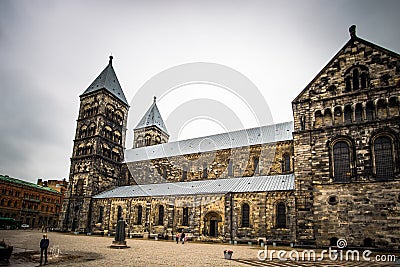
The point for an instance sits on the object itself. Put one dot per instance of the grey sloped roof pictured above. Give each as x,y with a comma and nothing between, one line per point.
242,138
218,186
152,117
109,81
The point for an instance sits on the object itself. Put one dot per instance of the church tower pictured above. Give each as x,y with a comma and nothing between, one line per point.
98,150
151,129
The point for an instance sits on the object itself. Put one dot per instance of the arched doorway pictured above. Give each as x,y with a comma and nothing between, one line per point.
211,221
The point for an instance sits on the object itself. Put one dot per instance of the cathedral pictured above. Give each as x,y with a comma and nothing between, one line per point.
332,173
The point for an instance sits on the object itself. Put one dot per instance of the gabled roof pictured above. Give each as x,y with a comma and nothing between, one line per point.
107,80
242,138
6,178
205,187
152,118
353,39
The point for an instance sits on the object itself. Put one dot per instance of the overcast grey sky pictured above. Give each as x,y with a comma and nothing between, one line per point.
52,50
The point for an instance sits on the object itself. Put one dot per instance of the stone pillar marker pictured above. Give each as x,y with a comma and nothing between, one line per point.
119,241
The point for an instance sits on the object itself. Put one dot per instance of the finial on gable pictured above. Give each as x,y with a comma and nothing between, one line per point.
352,31
155,98
111,58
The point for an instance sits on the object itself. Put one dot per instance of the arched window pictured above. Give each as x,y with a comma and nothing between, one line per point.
356,83
119,214
341,162
318,118
205,170
160,215
347,114
328,117
230,168
358,112
245,215
338,115
139,215
370,111
281,215
393,106
286,163
79,187
147,140
356,76
256,161
381,109
101,214
185,216
384,167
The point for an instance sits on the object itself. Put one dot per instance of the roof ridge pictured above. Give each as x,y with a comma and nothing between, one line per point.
152,117
106,80
12,179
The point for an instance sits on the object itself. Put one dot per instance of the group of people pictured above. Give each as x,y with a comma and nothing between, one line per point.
180,237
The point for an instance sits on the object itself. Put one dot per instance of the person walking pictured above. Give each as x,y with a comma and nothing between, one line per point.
177,237
183,237
44,244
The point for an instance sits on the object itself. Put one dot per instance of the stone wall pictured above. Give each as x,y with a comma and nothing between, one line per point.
354,99
235,162
202,209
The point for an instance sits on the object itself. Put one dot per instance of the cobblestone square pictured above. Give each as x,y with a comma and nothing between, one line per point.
81,250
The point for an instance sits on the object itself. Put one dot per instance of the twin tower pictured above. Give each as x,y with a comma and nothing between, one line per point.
98,153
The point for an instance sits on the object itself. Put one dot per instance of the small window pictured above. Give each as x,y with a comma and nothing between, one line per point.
160,215
185,219
101,214
139,215
333,200
205,171
256,161
245,215
230,168
281,215
370,111
358,112
347,114
286,163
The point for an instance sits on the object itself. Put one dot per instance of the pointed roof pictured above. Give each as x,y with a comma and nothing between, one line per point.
152,118
109,81
353,38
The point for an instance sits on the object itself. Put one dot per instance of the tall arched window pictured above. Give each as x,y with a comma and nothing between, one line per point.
185,216
384,167
139,215
281,215
245,215
341,162
160,215
286,163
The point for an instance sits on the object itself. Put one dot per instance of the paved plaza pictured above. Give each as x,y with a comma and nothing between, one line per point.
81,250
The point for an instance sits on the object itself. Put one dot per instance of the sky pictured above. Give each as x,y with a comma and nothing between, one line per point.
52,50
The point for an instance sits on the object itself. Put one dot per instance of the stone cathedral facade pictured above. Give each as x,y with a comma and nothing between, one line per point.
334,172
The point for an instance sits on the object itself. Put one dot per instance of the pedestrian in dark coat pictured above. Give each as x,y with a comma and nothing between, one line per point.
44,244
183,237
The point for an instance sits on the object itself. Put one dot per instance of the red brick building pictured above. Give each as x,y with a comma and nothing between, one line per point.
29,203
